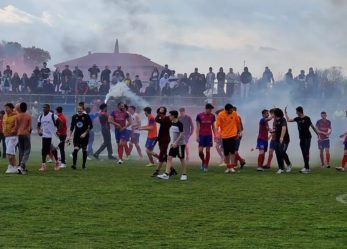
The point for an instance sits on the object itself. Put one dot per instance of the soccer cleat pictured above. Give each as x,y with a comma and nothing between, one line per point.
223,164
43,167
289,168
232,170
322,166
127,158
173,172
280,171
11,169
49,161
242,163
111,158
205,169
260,169
150,165
266,167
120,161
202,166
62,166
227,171
340,169
155,173
22,171
184,178
96,156
328,166
88,158
163,176
304,171
73,167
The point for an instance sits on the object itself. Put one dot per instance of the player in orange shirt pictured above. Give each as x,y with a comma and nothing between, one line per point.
152,135
219,143
230,127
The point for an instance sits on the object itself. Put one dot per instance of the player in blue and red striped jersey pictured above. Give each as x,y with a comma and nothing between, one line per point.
121,120
263,136
323,127
204,128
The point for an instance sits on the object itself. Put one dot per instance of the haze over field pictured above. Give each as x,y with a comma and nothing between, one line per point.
185,34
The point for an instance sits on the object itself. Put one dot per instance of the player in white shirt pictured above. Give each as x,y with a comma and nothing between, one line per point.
47,129
135,133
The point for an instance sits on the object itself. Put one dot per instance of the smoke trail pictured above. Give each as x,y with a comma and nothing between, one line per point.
122,90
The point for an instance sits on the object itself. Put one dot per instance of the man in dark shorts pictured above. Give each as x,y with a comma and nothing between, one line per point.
177,148
229,123
81,124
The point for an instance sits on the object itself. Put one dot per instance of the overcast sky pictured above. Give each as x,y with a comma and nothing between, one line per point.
186,33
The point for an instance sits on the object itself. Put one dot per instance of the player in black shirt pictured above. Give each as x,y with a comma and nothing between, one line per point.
304,124
281,141
81,124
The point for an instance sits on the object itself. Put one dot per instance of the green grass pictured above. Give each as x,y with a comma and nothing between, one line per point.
108,206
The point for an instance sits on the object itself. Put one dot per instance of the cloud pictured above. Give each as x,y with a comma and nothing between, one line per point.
12,15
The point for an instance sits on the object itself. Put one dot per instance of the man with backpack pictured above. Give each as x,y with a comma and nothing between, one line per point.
47,126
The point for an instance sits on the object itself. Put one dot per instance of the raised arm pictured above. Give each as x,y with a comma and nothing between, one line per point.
287,117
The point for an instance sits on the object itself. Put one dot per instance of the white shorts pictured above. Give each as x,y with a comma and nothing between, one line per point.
11,143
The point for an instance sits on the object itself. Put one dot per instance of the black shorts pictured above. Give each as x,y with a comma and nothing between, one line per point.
178,151
80,142
229,145
46,145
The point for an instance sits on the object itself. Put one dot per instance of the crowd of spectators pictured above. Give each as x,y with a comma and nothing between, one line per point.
164,83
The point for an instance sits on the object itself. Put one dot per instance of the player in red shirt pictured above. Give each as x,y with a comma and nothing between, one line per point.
62,133
263,136
204,128
344,158
121,120
323,127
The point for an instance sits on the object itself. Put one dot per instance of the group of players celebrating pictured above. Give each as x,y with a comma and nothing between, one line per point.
224,127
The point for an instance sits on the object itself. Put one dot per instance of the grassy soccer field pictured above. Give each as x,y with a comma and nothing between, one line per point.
108,206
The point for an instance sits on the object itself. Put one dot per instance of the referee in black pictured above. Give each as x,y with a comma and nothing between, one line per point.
81,124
